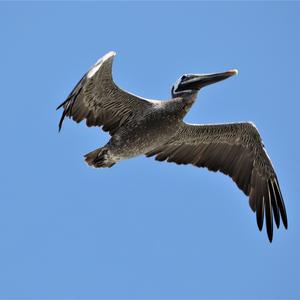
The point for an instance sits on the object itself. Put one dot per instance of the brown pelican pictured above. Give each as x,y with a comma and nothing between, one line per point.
156,128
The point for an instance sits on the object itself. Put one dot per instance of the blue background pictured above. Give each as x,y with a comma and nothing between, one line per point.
144,229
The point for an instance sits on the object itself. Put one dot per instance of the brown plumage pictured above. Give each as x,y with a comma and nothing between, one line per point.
235,150
98,100
156,128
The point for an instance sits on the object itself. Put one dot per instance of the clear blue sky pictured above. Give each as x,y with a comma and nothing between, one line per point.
144,229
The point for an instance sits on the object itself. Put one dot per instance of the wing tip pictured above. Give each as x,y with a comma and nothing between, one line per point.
270,236
61,121
59,106
260,223
285,223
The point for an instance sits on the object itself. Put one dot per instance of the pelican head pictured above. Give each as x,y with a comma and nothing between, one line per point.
192,83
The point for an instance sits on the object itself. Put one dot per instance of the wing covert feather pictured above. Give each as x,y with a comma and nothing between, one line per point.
236,150
98,100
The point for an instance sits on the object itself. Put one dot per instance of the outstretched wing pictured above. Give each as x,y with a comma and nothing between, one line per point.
236,150
98,100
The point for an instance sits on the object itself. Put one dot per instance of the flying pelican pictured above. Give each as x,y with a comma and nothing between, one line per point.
156,128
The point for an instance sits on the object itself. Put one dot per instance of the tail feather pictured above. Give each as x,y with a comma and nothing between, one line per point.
98,158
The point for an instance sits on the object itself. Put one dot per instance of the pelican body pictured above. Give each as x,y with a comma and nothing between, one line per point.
145,133
140,126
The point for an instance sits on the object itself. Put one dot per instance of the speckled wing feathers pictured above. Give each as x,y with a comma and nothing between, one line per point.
98,100
235,150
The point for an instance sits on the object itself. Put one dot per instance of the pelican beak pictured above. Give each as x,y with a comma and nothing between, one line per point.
198,81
